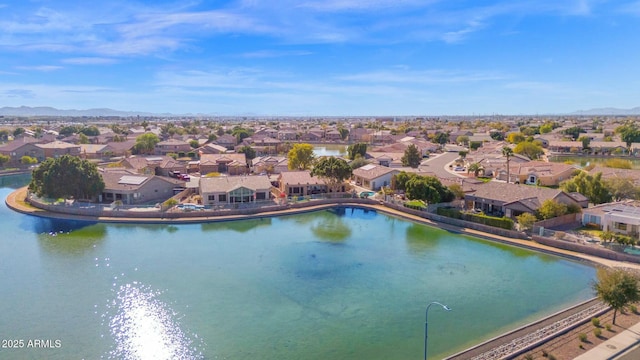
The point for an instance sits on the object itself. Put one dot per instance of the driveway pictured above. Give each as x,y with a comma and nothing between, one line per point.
439,165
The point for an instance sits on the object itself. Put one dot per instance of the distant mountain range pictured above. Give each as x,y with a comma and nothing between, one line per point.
50,111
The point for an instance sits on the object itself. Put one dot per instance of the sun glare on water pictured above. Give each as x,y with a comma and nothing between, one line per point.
143,327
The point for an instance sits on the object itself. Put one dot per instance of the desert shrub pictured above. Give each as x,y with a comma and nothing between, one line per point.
595,321
597,332
608,327
633,309
582,337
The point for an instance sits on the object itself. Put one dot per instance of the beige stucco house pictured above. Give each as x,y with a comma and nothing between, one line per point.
234,189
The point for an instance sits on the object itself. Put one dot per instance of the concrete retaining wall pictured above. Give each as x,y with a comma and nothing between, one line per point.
590,250
460,223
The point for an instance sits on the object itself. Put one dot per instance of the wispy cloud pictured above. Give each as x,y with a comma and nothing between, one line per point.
422,77
632,8
89,61
274,53
19,93
121,29
43,68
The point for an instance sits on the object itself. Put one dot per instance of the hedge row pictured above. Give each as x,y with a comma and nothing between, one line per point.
503,222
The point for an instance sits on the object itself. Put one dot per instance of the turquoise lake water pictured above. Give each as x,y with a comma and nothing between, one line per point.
339,284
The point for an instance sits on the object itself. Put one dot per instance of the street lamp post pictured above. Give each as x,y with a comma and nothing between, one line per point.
426,324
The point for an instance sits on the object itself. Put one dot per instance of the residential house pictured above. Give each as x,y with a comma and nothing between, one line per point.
287,135
212,149
263,146
172,146
613,173
511,200
359,134
541,173
270,164
24,146
132,188
301,183
168,166
234,189
373,177
312,136
333,135
57,148
121,148
232,163
94,151
619,217
227,140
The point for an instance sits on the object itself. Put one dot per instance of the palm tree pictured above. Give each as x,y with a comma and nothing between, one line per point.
508,153
476,168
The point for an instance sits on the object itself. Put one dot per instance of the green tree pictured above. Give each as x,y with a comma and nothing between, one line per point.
463,154
66,176
411,156
622,188
593,187
89,130
508,153
516,138
550,209
332,170
497,135
301,157
440,138
475,168
194,143
83,139
241,133
18,131
249,152
529,149
429,189
526,220
357,149
4,159
4,135
457,191
617,288
359,161
146,143
343,133
574,132
585,142
629,133
28,160
462,139
546,128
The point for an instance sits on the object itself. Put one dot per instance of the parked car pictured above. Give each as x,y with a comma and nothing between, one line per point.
184,177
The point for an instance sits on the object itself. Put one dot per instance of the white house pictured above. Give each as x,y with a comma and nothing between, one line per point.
620,217
373,177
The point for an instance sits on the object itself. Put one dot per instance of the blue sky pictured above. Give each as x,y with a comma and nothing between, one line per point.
321,57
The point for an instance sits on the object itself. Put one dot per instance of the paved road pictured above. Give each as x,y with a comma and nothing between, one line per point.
439,165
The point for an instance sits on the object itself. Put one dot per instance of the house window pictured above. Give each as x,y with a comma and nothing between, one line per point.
211,198
260,196
222,197
621,226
